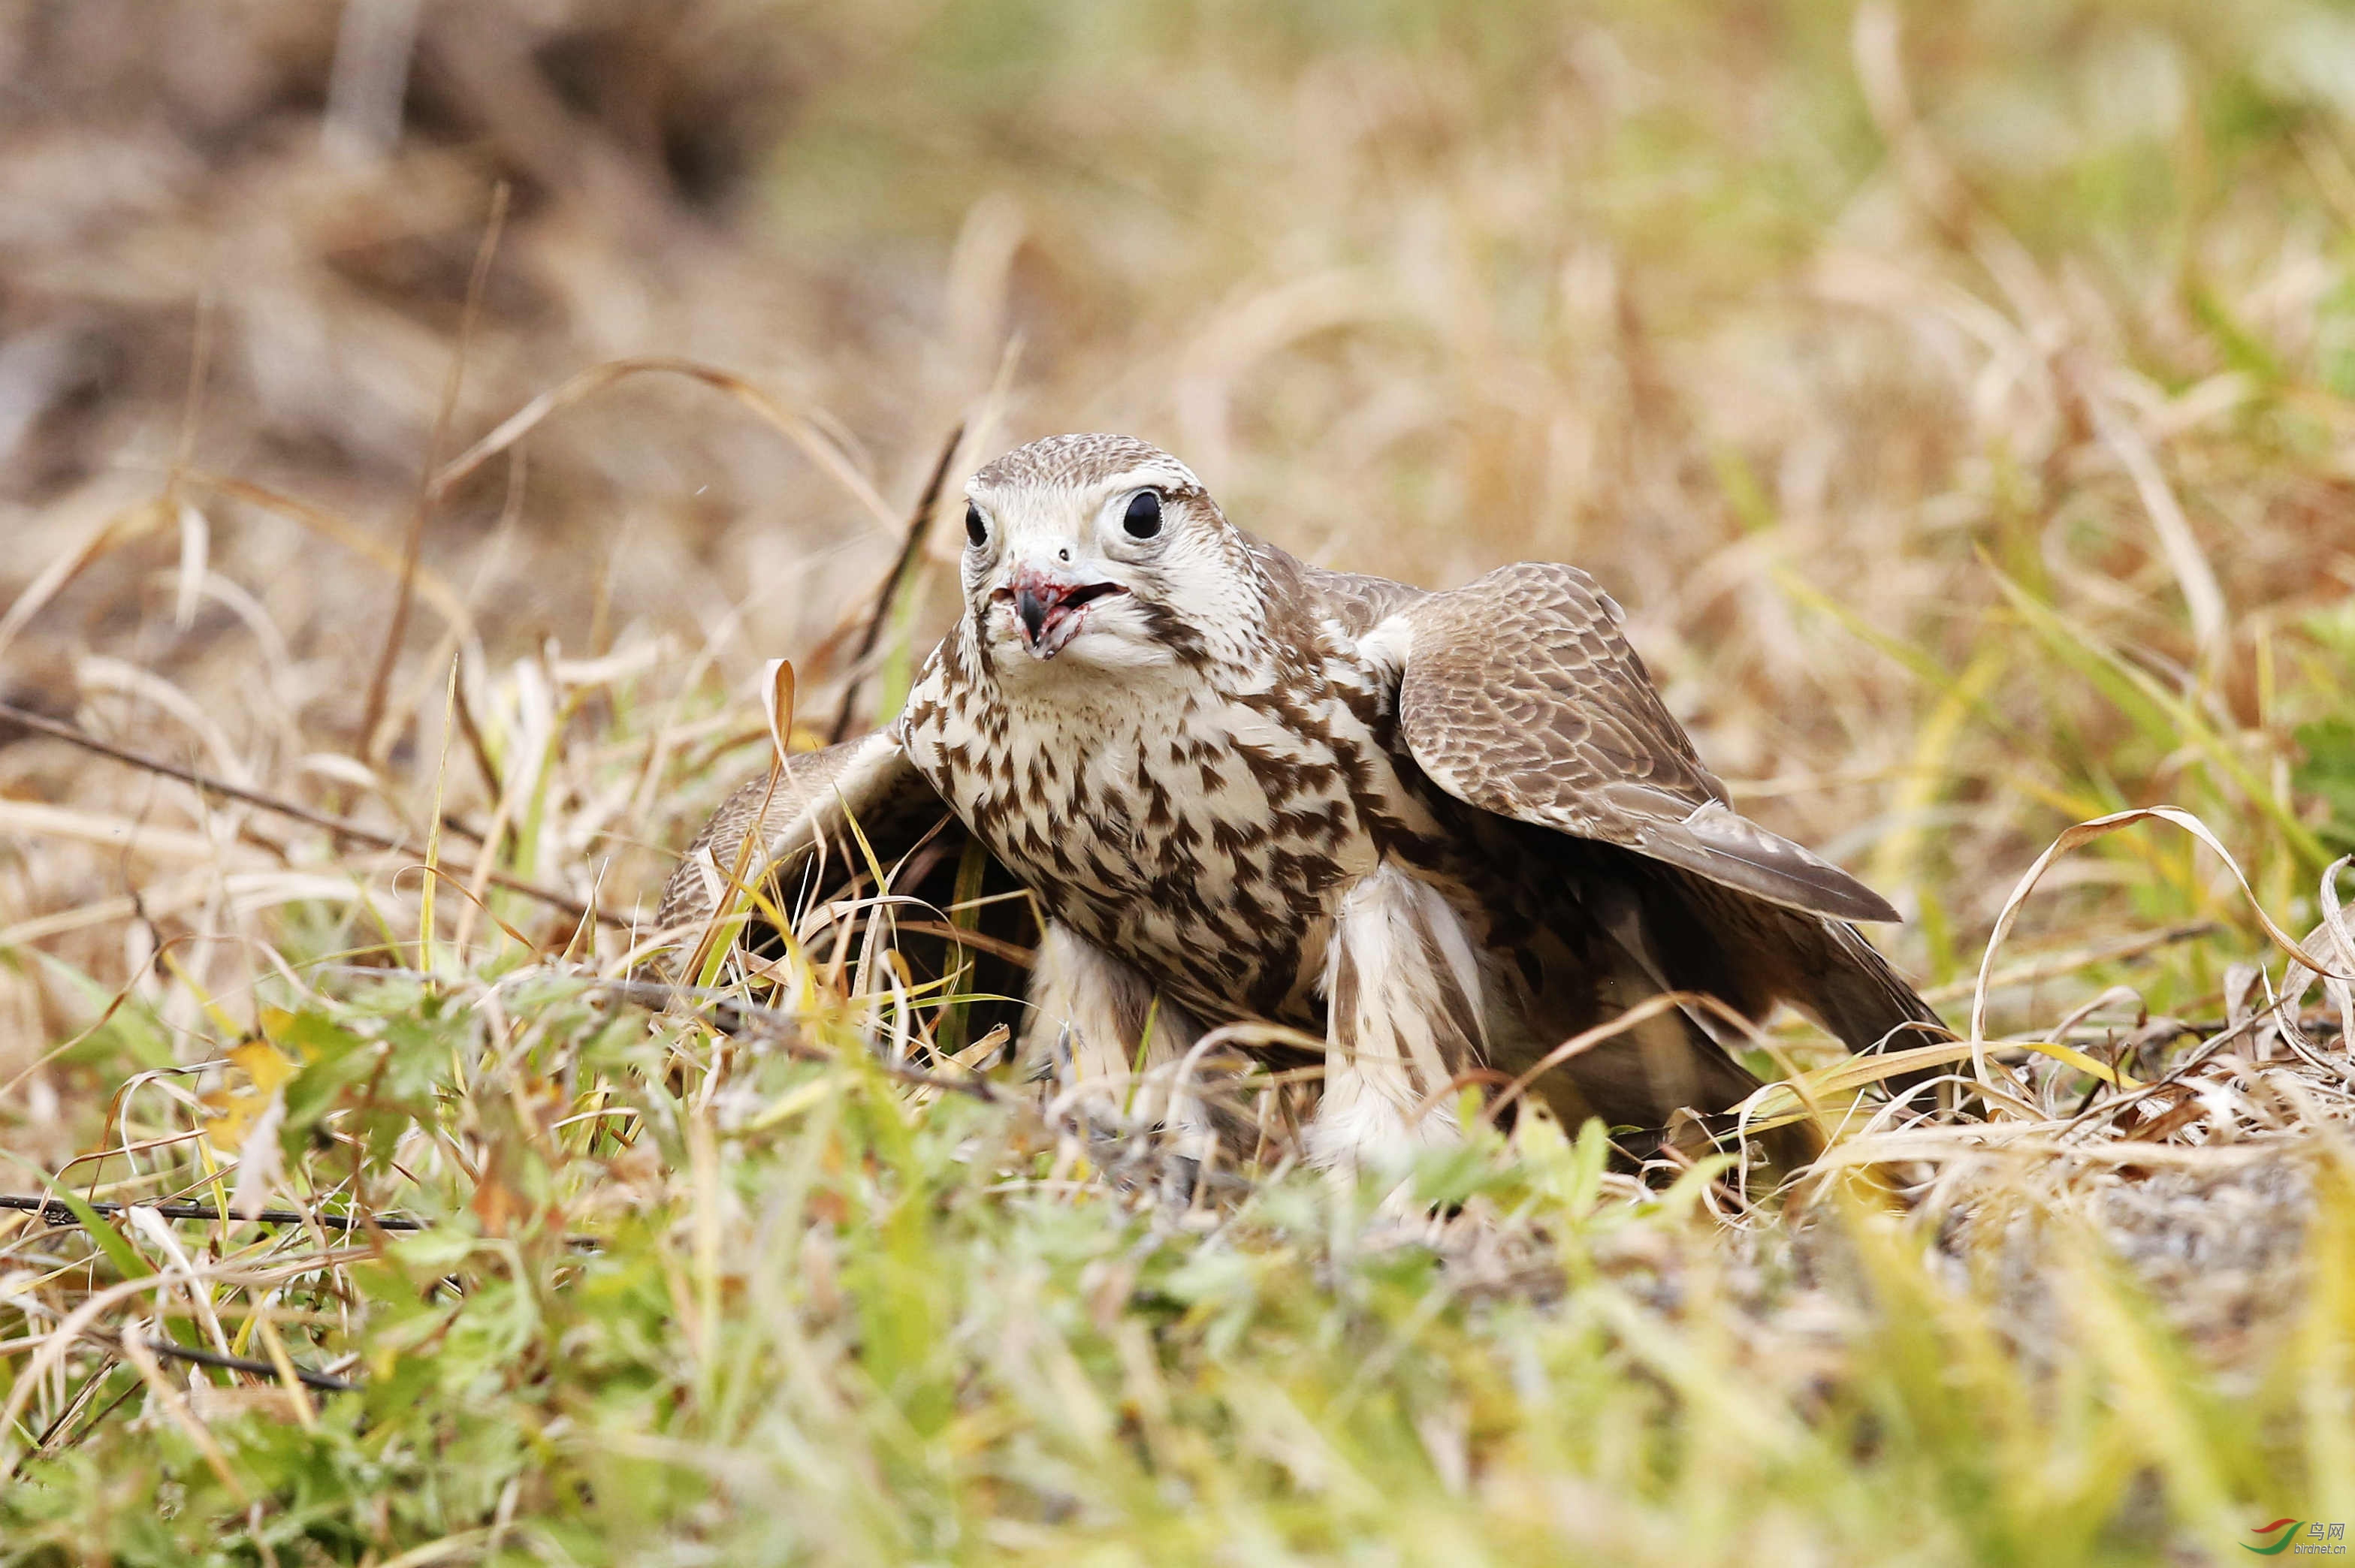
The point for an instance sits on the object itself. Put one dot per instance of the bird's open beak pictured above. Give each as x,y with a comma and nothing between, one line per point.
1051,605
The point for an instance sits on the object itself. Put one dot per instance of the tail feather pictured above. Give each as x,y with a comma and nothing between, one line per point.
1859,996
1865,1002
1823,966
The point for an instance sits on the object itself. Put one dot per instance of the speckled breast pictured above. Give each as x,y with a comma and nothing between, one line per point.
1204,835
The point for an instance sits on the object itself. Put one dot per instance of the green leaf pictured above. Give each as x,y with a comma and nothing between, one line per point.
333,1058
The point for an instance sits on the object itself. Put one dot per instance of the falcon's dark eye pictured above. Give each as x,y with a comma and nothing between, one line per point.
1142,519
977,532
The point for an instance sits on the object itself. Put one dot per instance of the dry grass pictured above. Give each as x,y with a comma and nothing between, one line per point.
1963,411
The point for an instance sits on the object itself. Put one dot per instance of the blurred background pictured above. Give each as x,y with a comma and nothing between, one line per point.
1957,396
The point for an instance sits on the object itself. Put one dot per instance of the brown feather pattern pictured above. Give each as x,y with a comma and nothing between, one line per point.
1203,818
1521,696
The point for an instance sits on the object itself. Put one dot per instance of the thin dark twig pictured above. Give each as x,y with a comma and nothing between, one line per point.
372,714
57,1214
730,1014
73,1408
918,521
326,1383
782,1030
2196,1057
73,735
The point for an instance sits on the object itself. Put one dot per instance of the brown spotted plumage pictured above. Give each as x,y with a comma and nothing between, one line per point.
1445,831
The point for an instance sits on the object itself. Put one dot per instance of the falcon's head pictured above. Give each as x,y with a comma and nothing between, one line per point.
1090,553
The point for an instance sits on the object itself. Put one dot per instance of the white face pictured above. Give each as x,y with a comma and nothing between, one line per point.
1093,574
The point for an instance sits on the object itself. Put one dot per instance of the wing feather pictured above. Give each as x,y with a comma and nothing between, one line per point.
869,778
1519,694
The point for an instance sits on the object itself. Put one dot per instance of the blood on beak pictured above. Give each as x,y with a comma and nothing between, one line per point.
1052,607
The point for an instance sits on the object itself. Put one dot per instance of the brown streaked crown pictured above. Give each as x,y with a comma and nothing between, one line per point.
1068,461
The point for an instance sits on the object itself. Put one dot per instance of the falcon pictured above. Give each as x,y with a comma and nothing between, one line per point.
1445,832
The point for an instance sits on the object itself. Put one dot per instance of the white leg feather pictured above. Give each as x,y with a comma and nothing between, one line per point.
1403,1005
1088,1012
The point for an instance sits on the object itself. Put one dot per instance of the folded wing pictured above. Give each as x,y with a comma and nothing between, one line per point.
1520,696
772,829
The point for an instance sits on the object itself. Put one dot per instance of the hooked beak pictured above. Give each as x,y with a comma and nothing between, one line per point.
1051,607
